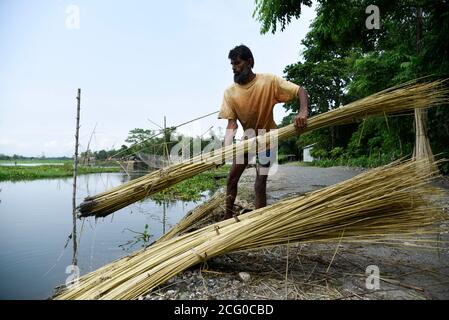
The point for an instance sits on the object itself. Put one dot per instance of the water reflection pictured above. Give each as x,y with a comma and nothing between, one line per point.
140,238
36,221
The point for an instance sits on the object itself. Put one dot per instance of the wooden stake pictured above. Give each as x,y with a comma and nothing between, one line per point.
75,172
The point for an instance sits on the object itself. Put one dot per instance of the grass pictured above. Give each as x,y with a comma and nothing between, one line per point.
28,161
18,173
191,189
361,162
98,163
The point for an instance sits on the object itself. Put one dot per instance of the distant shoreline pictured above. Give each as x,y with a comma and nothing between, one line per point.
32,170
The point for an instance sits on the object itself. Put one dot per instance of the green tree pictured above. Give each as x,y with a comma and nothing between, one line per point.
345,61
101,155
272,12
138,135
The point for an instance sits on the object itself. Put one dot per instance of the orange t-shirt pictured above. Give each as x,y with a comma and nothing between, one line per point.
252,104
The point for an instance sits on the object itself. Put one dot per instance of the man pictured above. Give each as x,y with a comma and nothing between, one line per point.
250,100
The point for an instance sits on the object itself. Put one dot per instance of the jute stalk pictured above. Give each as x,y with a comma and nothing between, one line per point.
195,215
394,100
389,204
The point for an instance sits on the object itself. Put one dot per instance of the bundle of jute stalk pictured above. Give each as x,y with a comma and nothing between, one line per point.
195,215
387,204
422,150
394,100
206,213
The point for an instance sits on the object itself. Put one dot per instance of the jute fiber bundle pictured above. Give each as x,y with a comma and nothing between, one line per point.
195,215
422,150
387,204
394,100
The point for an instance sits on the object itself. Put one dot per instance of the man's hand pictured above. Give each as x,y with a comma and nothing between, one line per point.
301,122
301,117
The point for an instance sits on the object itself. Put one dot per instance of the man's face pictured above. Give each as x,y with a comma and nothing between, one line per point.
241,69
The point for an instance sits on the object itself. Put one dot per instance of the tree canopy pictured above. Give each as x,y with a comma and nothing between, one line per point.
344,60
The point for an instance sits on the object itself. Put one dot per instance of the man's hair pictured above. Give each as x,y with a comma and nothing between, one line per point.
242,52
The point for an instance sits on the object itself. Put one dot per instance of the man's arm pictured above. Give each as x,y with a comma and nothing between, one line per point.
231,130
301,117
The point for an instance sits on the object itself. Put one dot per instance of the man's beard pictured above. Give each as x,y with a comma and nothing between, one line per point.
243,77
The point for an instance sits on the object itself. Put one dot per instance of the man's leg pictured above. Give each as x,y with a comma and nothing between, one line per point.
262,170
231,188
260,187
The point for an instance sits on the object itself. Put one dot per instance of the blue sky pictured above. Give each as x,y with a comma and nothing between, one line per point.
133,60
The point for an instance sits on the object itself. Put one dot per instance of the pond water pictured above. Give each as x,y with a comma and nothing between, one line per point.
36,221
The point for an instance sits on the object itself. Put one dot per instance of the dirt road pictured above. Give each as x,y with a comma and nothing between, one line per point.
291,180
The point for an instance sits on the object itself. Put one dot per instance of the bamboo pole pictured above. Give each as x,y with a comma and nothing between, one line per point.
75,172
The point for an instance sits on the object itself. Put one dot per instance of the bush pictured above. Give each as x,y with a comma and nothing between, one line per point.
319,153
336,152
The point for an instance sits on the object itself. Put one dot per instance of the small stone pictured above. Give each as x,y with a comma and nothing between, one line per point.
245,276
183,296
171,293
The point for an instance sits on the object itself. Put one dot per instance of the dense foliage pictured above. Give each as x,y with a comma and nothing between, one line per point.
345,61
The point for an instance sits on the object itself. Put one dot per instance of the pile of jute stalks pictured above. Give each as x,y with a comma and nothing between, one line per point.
196,215
389,204
398,99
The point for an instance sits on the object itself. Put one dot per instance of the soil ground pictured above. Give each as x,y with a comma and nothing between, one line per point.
315,271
